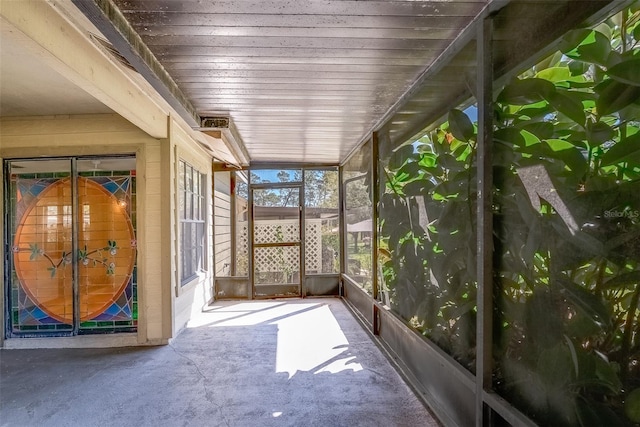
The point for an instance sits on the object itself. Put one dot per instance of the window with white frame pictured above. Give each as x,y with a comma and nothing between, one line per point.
192,221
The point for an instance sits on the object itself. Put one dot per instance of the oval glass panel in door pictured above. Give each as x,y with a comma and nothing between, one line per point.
44,226
106,251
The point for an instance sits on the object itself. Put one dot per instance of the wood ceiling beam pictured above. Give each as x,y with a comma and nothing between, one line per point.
106,16
42,29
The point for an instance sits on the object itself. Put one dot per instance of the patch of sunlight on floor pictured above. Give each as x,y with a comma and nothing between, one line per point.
309,336
246,313
312,341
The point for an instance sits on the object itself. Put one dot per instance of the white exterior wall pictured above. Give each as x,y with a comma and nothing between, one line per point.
190,298
164,305
222,223
104,135
142,124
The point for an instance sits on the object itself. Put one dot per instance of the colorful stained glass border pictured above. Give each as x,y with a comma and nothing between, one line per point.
26,317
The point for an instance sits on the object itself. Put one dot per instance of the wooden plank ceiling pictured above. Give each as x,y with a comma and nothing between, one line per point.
303,81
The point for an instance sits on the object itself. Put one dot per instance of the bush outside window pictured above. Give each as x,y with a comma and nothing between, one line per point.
566,283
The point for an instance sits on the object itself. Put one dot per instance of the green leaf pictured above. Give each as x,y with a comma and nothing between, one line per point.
534,111
626,150
559,144
605,29
588,303
400,156
574,355
614,96
463,152
614,59
542,130
578,68
504,154
549,61
411,169
52,270
576,137
581,327
582,85
598,133
529,138
460,125
509,135
428,160
450,163
630,113
555,74
591,414
607,374
526,91
568,153
418,187
626,72
623,280
568,106
594,47
632,406
555,365
572,39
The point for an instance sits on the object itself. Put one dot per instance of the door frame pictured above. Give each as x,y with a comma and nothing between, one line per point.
300,244
73,174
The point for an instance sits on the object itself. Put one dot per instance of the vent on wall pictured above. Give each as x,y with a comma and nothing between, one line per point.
215,122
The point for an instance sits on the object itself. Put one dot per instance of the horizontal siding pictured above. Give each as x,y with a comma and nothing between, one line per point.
221,205
192,297
222,223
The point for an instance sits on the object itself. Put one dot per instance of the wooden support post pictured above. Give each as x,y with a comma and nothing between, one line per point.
484,99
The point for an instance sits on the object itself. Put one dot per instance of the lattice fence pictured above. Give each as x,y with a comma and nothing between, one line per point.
313,246
281,231
276,231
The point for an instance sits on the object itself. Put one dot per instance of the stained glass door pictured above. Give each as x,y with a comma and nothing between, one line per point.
107,289
71,246
40,234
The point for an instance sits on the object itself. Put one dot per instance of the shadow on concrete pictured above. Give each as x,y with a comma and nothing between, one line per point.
265,363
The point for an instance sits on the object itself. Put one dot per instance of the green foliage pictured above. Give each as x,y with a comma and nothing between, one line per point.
566,238
427,222
460,126
632,406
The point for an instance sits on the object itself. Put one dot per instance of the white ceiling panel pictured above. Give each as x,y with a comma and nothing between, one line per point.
301,81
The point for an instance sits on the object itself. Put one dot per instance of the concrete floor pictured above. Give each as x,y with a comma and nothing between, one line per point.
260,363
